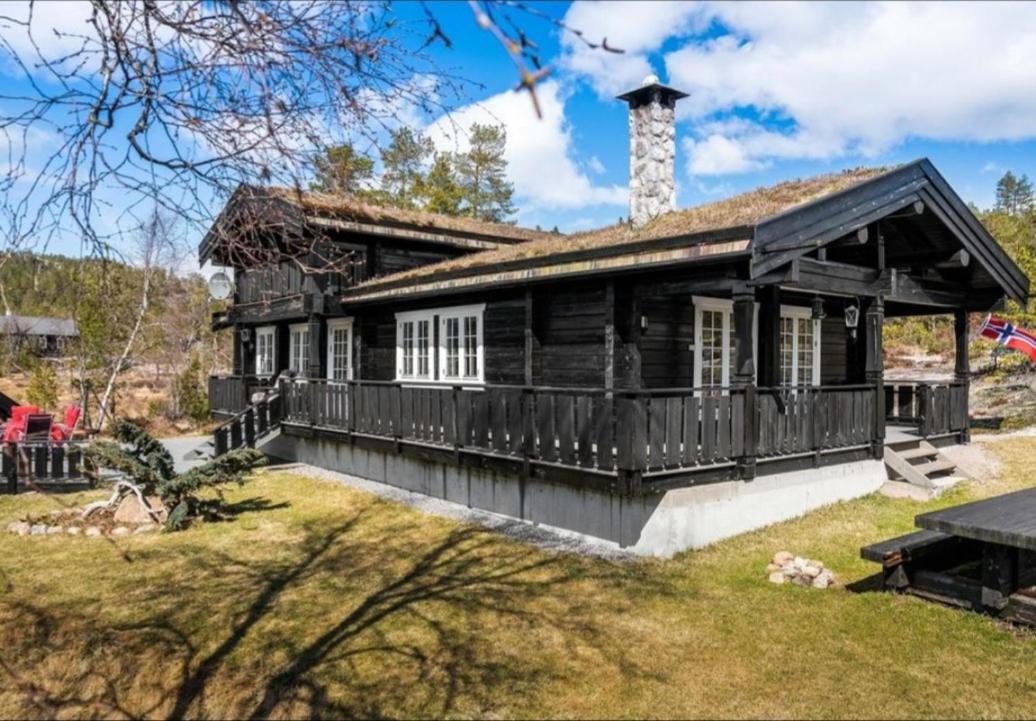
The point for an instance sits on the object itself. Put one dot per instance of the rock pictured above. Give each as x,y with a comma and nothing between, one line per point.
120,531
92,532
38,529
54,530
799,562
146,528
777,578
821,582
782,558
132,513
21,528
811,571
182,426
802,581
772,568
73,530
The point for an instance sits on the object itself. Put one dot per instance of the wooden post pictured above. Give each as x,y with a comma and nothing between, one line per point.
239,352
962,366
609,335
10,466
770,337
314,362
530,338
874,372
743,375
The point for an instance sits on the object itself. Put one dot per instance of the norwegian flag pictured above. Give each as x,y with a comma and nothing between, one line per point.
1009,335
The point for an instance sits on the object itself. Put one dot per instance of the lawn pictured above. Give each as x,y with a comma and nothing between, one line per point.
319,600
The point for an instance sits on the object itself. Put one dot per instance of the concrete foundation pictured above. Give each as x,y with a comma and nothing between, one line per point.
658,525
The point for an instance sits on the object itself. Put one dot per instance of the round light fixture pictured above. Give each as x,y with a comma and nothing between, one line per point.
220,286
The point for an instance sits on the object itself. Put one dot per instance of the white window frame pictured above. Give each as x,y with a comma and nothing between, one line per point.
415,317
724,306
801,313
461,312
271,331
333,325
436,318
298,328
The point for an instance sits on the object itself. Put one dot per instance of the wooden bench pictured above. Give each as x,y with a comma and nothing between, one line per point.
904,548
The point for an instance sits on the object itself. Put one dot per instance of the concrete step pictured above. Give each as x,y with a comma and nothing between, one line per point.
940,465
903,489
925,450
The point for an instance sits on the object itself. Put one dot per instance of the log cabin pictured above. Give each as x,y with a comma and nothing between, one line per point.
657,385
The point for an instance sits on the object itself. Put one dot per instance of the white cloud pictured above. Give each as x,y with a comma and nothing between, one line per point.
856,78
820,80
638,28
540,161
596,166
57,28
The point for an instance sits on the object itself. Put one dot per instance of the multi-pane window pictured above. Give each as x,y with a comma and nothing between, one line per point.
799,350
339,349
265,352
455,333
413,347
299,356
714,341
712,361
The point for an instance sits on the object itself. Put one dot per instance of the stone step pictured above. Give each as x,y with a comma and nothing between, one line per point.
924,451
940,465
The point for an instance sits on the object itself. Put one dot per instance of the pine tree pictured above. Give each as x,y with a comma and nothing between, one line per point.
341,170
1014,195
441,190
403,177
482,174
42,391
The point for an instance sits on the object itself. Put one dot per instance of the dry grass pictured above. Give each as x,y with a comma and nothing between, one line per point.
741,210
324,601
354,209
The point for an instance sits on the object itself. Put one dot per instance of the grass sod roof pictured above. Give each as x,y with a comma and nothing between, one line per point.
744,210
348,208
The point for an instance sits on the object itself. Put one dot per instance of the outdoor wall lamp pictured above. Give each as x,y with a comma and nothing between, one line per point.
817,308
852,318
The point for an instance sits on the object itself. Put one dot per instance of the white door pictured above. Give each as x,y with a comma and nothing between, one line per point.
339,349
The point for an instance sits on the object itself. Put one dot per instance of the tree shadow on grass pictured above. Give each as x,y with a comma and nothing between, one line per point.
418,632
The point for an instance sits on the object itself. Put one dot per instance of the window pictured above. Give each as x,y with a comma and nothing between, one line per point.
714,340
460,350
800,347
459,353
339,349
299,356
414,346
265,352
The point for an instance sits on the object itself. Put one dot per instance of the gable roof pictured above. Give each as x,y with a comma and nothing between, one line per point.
35,325
721,222
771,225
293,208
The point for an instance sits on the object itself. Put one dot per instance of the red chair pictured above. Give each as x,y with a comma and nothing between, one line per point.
63,431
15,428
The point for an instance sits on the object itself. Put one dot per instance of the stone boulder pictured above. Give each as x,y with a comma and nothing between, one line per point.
130,511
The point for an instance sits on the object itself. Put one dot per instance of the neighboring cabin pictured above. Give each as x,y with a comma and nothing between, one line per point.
628,383
48,337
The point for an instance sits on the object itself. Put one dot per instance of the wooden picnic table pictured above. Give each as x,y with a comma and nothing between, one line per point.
1007,520
980,555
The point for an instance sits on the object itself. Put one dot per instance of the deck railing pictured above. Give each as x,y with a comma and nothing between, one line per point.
615,431
229,394
46,461
935,408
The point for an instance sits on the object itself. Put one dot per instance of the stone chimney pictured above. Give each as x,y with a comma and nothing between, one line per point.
652,149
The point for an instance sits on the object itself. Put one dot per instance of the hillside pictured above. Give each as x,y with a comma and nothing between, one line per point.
164,376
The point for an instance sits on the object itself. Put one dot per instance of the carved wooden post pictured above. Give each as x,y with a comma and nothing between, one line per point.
743,375
962,367
315,357
874,372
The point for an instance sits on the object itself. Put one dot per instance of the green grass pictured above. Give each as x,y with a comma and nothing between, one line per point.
320,600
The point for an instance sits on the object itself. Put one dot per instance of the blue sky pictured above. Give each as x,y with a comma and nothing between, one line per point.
777,91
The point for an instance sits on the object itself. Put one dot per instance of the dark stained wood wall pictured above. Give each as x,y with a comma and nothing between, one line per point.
665,356
569,325
834,345
504,340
